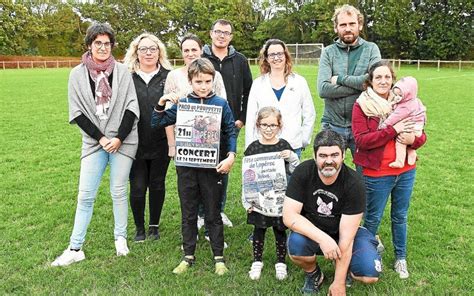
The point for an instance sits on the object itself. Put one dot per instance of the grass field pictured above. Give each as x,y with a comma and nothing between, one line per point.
39,170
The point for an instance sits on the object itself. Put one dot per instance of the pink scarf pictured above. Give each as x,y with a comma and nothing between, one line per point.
100,75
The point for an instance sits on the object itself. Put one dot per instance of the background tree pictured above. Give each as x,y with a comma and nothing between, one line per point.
409,29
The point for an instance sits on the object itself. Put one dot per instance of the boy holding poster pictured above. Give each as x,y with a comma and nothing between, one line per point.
264,185
202,157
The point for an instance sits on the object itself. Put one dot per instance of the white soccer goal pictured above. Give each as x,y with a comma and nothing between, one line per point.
305,52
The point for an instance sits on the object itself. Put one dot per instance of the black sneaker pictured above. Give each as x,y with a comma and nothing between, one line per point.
140,236
153,233
313,281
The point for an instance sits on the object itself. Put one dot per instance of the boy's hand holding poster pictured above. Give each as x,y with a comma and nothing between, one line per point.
264,183
198,129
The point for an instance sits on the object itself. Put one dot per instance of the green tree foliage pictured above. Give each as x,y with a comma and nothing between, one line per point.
18,28
446,29
416,29
394,30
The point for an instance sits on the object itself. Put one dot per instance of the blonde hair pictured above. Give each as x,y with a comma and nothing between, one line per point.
131,57
269,111
350,10
263,57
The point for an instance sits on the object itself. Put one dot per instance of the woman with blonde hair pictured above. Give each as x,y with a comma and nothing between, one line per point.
147,60
280,87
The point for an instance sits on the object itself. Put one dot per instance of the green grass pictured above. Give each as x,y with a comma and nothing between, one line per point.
39,170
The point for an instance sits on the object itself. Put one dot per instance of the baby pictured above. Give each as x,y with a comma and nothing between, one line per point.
406,104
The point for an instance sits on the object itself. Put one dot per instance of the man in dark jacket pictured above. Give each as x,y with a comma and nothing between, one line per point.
237,77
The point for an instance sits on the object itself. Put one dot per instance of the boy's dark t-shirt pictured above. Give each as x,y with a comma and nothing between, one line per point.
324,205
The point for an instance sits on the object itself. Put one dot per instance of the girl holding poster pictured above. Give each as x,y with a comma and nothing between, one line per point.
269,124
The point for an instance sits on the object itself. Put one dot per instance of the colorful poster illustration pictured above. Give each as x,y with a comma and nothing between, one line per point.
264,183
198,129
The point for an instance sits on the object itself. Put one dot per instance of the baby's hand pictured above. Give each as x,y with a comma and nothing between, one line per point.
285,154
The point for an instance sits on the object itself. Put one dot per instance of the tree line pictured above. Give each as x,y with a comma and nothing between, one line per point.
421,29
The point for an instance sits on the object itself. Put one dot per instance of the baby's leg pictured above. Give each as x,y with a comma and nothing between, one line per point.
412,152
401,154
411,156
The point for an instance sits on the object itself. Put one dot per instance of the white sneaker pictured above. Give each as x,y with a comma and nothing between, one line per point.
380,246
68,257
226,221
280,271
256,270
209,240
401,268
121,246
200,222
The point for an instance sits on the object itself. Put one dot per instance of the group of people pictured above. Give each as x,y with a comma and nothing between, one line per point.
127,122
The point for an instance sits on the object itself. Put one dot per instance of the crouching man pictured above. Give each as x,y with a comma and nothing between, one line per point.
323,207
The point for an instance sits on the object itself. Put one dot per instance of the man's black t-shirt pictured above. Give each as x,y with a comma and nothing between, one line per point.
323,204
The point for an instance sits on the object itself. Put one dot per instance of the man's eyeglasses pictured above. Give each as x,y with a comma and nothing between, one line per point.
225,33
265,126
99,44
275,55
144,49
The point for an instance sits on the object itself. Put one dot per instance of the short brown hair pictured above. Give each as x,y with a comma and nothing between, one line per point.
97,29
201,66
222,22
381,63
350,10
265,65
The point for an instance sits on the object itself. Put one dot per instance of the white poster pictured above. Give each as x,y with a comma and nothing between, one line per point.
198,129
264,183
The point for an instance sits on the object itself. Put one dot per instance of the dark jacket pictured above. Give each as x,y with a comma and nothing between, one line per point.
148,95
237,78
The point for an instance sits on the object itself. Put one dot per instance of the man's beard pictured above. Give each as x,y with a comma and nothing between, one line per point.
329,173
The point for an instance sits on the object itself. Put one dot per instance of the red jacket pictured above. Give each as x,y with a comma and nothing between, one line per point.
370,141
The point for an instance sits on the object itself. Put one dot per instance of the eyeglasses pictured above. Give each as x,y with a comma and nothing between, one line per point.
225,33
275,55
265,126
144,49
99,44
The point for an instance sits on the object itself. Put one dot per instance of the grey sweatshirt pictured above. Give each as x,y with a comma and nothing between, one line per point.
350,64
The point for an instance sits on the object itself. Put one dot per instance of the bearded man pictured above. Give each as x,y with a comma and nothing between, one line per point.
343,68
323,208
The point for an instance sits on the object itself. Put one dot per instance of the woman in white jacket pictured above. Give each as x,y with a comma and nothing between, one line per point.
279,87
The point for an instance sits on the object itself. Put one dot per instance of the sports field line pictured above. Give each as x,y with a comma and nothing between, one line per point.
444,77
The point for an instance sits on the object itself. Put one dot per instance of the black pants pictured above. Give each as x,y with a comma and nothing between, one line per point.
148,174
197,185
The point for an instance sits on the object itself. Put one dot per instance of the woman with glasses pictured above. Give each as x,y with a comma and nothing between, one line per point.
103,103
146,58
280,87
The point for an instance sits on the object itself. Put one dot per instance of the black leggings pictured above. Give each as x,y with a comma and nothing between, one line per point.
259,241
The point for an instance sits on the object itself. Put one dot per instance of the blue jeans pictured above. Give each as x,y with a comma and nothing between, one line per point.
400,189
345,132
92,168
365,260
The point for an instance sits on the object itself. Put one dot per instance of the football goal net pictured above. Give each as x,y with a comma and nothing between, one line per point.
305,52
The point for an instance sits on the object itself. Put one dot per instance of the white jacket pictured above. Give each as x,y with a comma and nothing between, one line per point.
296,107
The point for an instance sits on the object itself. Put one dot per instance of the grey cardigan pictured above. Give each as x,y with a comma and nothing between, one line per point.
81,101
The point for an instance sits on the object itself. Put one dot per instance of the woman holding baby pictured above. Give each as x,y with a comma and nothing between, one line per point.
378,127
